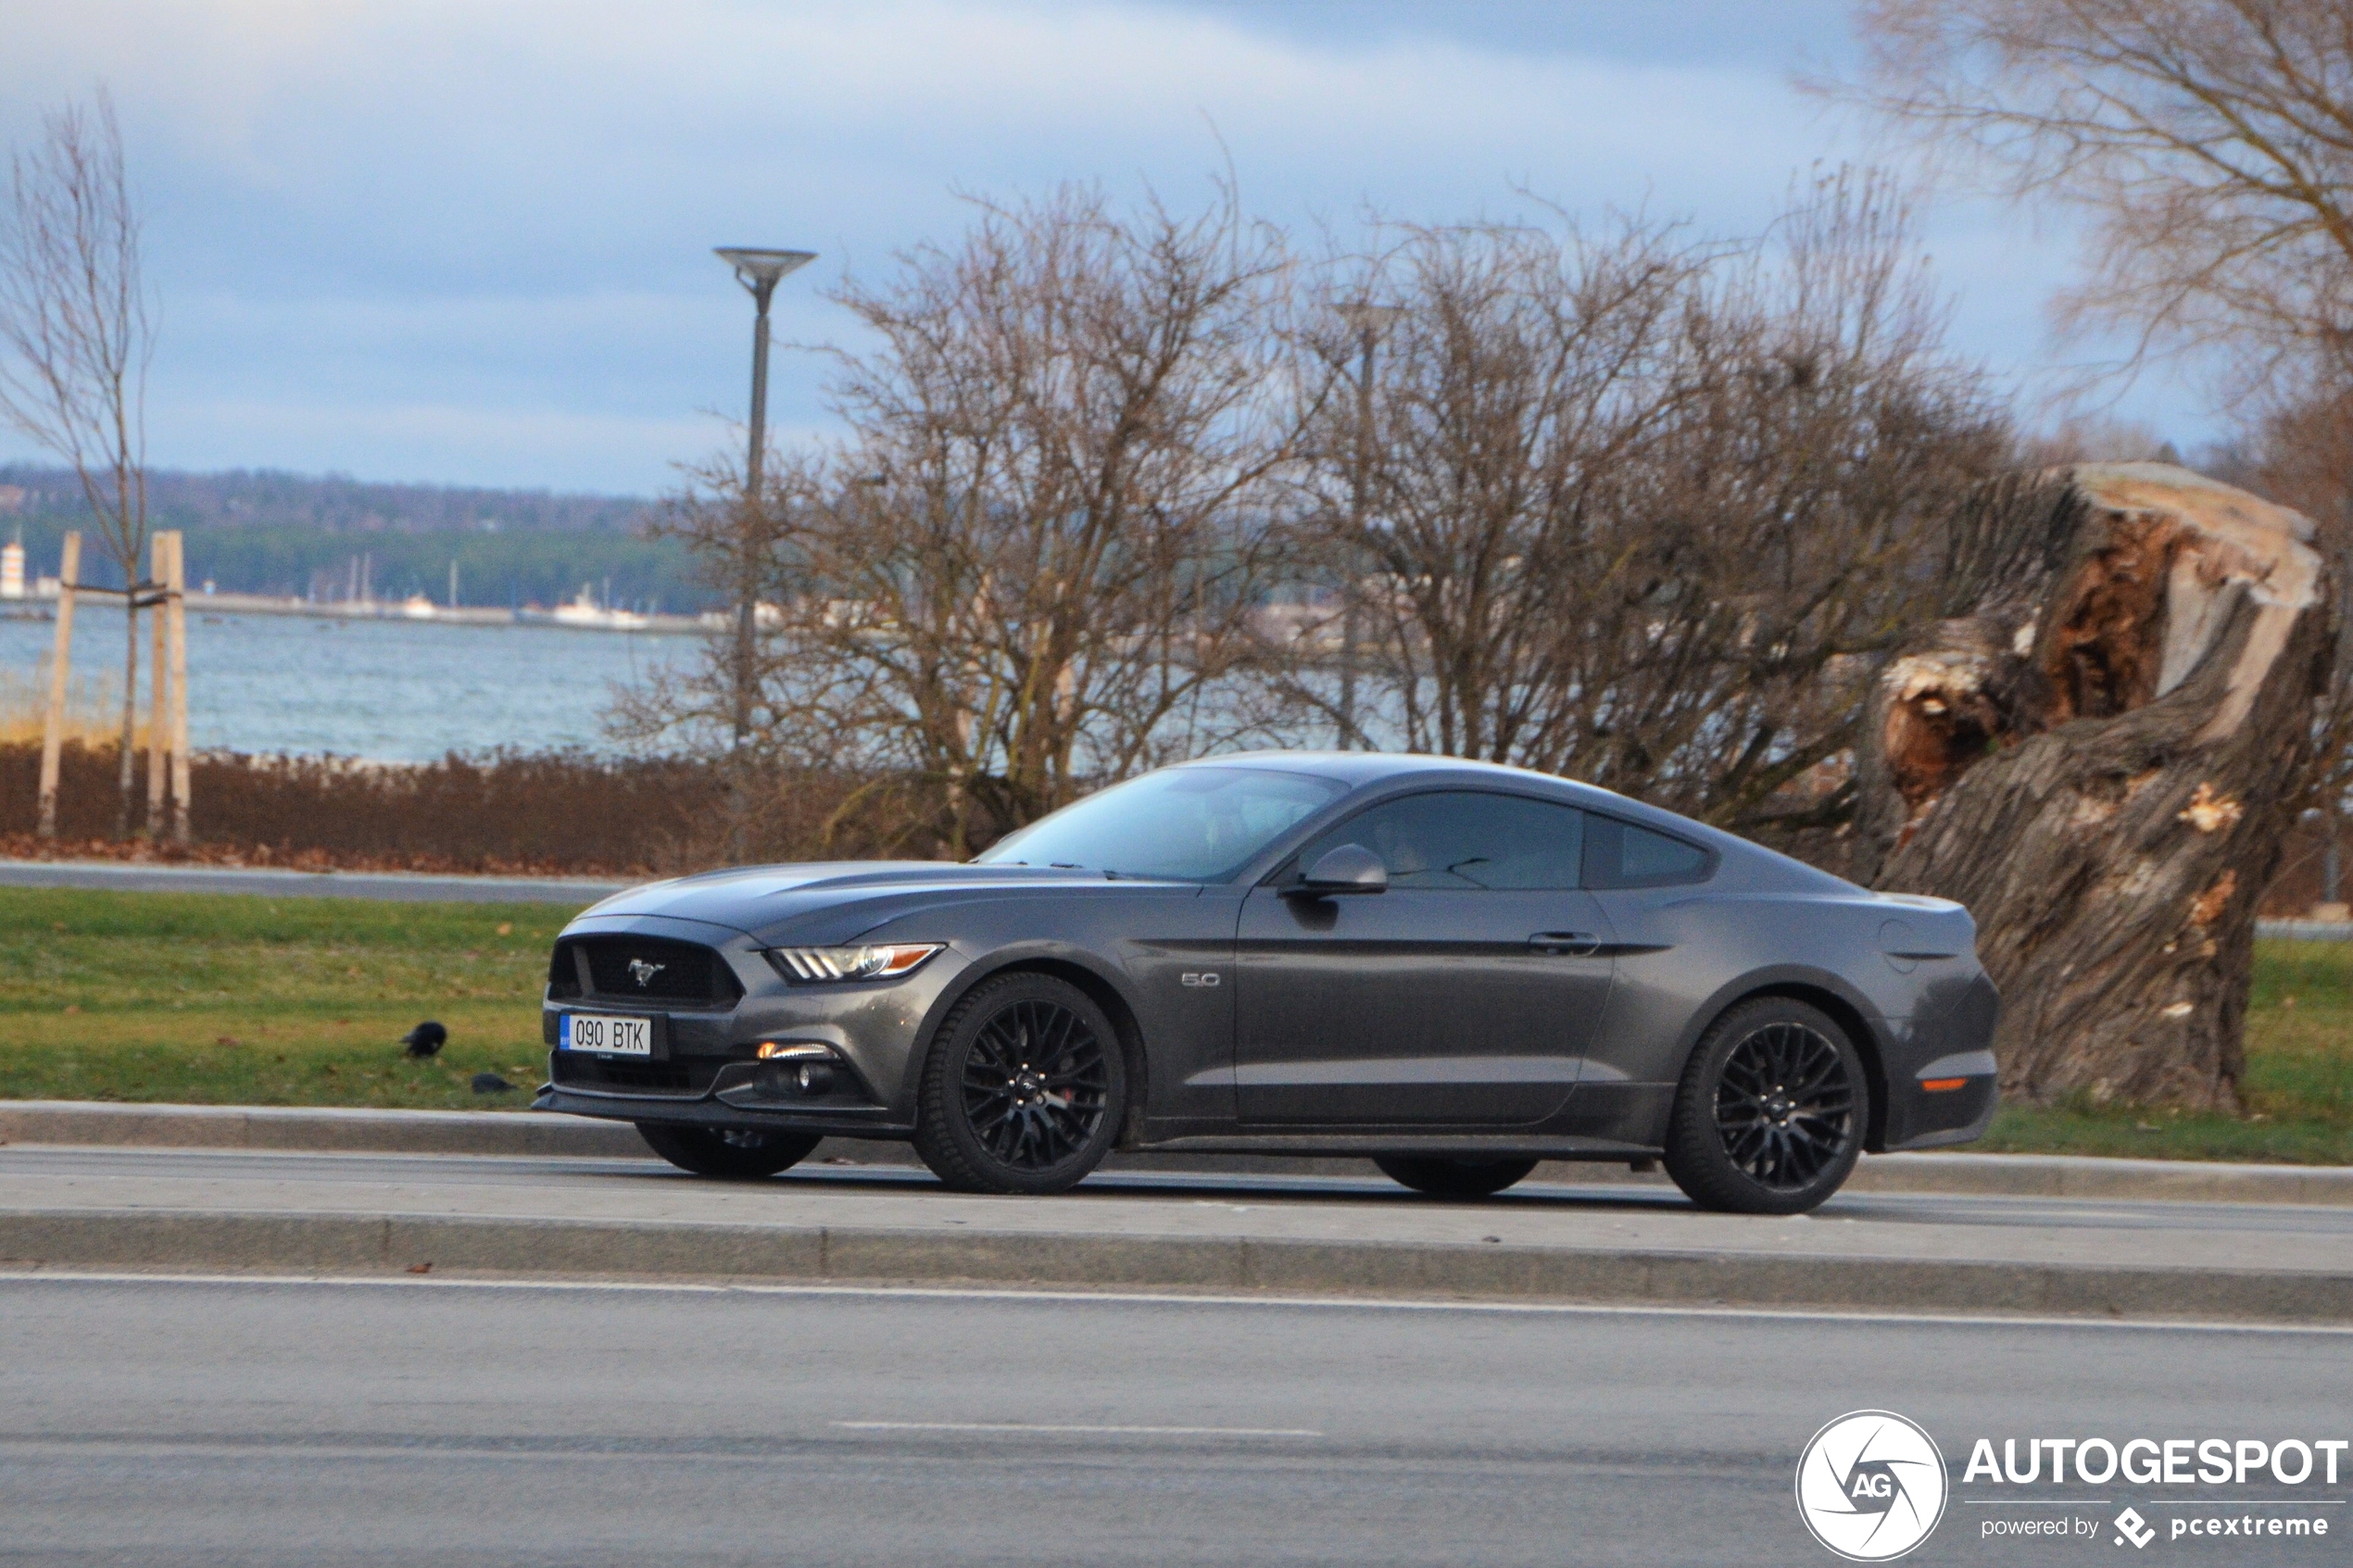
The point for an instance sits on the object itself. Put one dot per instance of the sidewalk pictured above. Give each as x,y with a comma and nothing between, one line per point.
228,1208
526,1132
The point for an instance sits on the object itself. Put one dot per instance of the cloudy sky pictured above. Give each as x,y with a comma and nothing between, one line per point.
470,242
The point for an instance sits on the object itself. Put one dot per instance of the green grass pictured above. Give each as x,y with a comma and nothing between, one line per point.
209,1000
2299,1087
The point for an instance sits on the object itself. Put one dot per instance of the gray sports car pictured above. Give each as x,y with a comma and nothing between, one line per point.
1453,969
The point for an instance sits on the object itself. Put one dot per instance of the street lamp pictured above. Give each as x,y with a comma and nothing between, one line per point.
1370,322
759,272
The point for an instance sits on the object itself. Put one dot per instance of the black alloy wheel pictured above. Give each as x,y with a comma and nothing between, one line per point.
1445,1178
1023,1089
734,1154
1769,1116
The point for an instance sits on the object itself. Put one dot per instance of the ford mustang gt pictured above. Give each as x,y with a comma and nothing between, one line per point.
1454,968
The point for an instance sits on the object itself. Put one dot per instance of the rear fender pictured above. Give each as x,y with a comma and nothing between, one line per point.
1845,1002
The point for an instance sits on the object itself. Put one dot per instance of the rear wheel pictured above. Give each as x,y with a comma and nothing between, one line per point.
1023,1089
1452,1178
736,1154
1769,1116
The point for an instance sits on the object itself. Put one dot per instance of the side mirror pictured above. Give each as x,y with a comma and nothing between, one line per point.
1351,867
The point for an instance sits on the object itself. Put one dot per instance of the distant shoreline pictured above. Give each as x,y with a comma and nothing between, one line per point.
414,612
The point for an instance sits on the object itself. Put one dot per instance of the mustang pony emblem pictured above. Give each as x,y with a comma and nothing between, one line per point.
644,972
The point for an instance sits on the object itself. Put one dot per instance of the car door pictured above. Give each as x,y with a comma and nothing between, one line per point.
1467,994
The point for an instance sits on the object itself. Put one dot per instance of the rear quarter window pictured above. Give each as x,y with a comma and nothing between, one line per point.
1621,855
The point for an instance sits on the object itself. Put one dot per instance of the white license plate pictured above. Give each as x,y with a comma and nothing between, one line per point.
615,1037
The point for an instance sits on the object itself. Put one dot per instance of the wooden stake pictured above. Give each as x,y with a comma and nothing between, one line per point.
176,610
53,721
159,685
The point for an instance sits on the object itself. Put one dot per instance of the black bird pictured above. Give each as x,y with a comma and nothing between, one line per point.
490,1083
426,1039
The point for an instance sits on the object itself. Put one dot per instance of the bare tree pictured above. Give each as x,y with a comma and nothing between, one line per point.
2095,748
1519,377
2211,142
1647,512
1033,563
713,704
2132,715
76,334
2300,454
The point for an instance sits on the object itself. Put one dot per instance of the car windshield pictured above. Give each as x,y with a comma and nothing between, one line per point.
1193,824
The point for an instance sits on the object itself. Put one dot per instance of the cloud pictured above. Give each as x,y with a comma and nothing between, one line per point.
502,212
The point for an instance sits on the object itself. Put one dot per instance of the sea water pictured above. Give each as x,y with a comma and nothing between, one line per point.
386,691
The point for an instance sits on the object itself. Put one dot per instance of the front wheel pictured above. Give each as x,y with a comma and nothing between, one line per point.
734,1154
1769,1116
1023,1089
1452,1178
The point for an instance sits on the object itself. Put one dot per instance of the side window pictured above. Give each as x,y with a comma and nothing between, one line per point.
1621,855
1463,839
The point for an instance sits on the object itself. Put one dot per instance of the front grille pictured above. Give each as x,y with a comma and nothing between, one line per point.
673,972
691,1075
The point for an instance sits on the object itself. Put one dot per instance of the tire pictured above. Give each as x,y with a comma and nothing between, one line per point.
1770,1114
1023,1089
734,1154
1452,1178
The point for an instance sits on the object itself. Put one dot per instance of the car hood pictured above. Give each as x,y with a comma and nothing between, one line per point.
835,901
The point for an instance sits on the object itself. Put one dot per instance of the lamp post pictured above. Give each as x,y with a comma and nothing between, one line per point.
1370,322
759,272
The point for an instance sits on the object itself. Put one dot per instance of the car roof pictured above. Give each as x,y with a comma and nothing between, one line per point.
1361,770
1357,768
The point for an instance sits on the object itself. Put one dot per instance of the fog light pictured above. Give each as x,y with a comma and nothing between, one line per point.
816,1079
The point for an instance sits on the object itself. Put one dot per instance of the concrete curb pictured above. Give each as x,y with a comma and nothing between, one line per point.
522,1133
2085,1177
270,882
392,1244
2306,930
324,1129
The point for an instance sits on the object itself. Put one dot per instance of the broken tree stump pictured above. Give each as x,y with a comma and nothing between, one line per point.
2101,759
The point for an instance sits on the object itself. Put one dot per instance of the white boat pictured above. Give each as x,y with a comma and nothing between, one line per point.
584,611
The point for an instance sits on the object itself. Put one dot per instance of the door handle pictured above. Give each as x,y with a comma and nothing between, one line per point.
1574,944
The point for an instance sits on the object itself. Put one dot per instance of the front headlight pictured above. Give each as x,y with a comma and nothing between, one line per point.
851,963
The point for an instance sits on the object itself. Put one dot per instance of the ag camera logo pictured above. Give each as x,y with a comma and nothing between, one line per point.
1871,1486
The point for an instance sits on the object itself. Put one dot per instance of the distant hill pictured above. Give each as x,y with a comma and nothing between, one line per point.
261,532
336,503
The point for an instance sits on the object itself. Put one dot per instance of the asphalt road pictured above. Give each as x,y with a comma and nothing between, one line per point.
182,1422
1132,1200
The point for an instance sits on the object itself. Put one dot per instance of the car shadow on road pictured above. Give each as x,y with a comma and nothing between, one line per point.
1373,1191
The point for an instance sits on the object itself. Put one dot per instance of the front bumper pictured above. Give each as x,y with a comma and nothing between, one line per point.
707,1111
704,1070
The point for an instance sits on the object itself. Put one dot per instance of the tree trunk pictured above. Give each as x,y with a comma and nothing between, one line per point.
2101,759
128,781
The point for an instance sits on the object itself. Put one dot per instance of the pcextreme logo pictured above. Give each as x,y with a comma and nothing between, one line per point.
1871,1486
